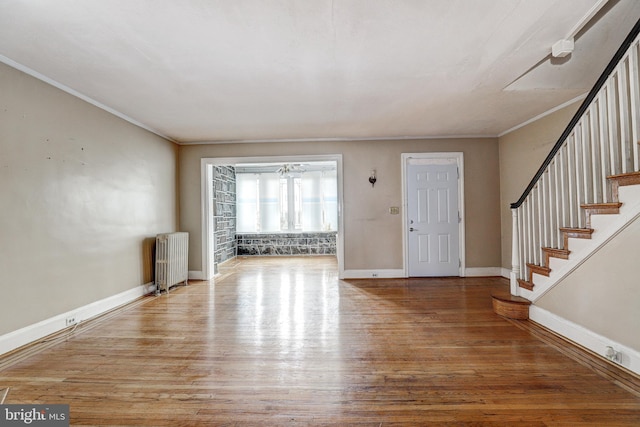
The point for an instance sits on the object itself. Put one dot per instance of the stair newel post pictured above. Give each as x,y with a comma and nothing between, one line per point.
515,253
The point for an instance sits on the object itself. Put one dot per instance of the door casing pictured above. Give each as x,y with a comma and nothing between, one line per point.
206,197
427,159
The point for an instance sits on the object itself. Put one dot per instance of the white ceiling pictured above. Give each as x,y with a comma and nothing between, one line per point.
238,70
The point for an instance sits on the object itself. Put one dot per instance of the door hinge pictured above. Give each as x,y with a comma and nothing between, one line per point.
459,218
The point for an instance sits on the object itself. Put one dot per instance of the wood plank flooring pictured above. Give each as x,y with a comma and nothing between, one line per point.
283,342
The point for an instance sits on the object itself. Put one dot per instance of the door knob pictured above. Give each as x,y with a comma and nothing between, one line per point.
412,229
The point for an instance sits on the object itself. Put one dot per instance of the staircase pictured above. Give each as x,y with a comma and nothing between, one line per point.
576,201
563,253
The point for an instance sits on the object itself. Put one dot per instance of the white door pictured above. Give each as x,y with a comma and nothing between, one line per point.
432,220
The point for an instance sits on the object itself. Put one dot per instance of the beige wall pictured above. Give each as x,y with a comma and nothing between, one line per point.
373,237
602,294
521,155
81,193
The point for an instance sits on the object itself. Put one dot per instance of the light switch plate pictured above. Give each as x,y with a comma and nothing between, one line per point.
394,210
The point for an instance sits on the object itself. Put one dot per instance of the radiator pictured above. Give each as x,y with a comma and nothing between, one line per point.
172,256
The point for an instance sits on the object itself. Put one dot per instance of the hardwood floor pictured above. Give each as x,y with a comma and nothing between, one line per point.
281,341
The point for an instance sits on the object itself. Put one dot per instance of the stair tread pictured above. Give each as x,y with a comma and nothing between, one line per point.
576,233
508,298
576,230
540,269
629,176
556,250
608,205
525,284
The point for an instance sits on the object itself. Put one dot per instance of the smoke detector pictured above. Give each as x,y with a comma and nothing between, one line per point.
562,48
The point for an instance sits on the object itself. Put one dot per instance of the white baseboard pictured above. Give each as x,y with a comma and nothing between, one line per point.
392,274
630,358
482,272
196,275
37,331
373,274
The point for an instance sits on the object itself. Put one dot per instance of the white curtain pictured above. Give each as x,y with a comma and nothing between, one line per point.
269,199
258,202
247,203
330,200
312,201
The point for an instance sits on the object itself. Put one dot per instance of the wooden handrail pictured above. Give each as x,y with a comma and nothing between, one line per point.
581,111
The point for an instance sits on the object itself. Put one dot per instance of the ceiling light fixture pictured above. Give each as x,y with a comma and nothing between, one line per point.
288,169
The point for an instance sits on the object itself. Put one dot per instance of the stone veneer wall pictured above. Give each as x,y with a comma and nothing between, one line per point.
287,244
224,214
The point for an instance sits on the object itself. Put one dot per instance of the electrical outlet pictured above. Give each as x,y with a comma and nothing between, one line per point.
613,355
375,275
71,320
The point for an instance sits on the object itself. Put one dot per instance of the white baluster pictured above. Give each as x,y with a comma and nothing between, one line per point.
531,222
614,147
526,255
634,82
558,200
580,197
595,152
564,187
544,209
582,159
539,225
522,236
623,117
515,253
574,186
605,164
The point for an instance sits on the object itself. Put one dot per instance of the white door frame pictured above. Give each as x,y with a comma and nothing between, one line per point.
206,196
433,158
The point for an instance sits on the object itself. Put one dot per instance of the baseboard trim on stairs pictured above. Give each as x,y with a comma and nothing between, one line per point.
586,338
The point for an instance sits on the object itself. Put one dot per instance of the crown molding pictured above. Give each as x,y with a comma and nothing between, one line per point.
33,73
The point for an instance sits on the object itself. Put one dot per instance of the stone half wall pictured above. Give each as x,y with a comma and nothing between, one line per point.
287,244
224,216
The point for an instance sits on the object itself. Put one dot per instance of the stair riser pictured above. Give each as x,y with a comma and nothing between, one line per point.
525,285
538,269
625,179
511,311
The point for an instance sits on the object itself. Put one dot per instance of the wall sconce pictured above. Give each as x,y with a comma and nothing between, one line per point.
372,177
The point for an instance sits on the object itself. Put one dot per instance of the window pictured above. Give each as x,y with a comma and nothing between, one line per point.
290,204
305,200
